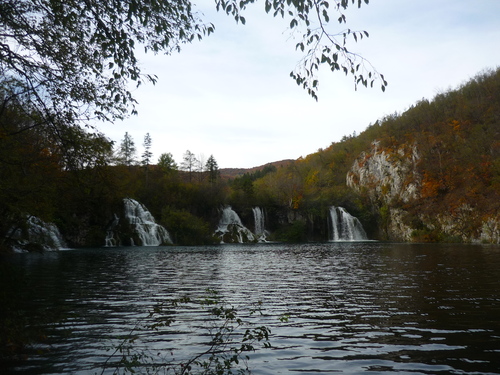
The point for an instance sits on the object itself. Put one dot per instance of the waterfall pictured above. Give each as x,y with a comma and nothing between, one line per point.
260,229
344,226
38,232
110,241
231,229
150,233
334,236
45,233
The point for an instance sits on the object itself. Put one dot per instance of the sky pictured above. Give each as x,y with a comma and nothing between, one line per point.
231,96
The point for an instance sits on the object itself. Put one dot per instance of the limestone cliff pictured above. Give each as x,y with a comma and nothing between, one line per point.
388,175
392,178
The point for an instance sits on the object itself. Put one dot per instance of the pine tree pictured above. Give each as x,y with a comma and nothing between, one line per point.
213,169
127,152
147,154
189,163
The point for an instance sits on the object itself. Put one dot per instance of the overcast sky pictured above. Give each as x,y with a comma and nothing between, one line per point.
231,96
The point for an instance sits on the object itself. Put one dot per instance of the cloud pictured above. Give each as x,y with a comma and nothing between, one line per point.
230,95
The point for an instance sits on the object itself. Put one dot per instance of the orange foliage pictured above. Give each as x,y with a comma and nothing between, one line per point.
455,125
296,201
430,186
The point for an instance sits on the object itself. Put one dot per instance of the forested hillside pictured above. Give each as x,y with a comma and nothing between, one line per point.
431,173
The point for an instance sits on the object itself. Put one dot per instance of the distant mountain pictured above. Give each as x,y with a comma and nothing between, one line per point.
228,173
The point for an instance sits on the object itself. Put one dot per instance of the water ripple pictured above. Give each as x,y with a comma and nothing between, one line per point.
351,307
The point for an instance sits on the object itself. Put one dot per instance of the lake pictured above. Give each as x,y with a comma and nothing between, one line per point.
345,307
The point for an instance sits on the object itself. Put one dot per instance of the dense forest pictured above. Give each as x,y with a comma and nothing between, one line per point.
431,173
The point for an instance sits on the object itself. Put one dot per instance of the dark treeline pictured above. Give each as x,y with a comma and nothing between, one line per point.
71,177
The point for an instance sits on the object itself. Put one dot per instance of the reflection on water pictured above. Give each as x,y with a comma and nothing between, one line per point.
353,307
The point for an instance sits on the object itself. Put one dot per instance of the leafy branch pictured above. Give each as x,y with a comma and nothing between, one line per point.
231,338
319,45
75,58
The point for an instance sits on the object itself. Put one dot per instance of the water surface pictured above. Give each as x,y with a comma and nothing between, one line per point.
352,307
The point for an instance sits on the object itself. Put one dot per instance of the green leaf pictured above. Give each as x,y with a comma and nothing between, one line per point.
325,15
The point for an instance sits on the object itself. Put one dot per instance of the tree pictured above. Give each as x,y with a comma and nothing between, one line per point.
74,59
200,167
167,163
84,150
189,162
127,151
30,171
213,169
147,154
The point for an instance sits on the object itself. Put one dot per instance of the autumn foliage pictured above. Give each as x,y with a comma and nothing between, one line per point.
71,178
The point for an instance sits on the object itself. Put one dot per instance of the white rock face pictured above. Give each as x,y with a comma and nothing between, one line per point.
388,176
397,228
466,223
490,231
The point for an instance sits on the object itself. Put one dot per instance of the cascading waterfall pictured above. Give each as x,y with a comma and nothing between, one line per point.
150,233
110,234
260,229
39,232
344,226
47,233
231,229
